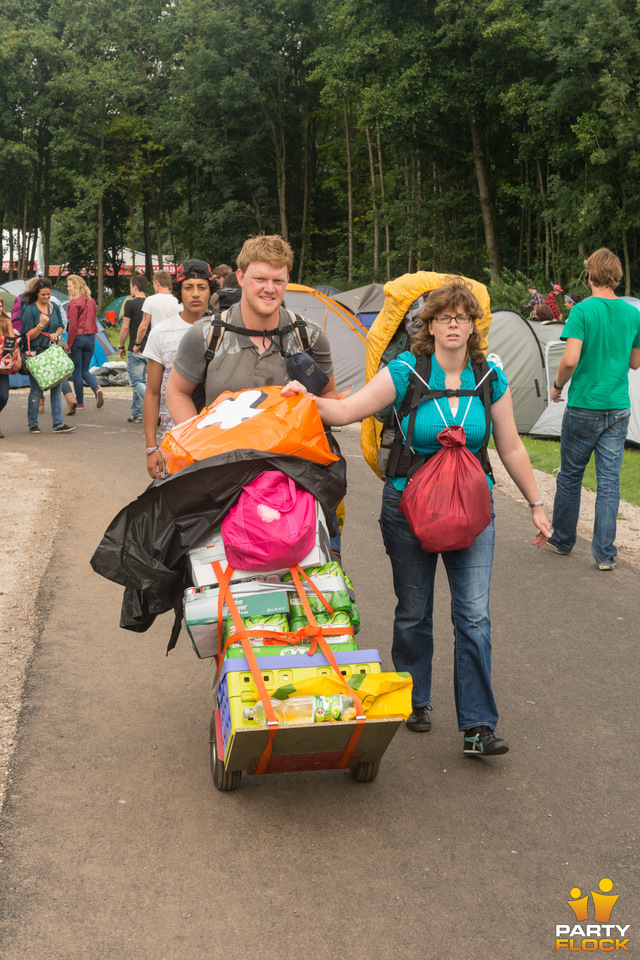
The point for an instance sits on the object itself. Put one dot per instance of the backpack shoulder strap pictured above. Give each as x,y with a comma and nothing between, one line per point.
401,452
299,324
485,375
215,334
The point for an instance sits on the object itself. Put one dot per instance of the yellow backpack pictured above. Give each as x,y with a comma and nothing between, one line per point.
399,295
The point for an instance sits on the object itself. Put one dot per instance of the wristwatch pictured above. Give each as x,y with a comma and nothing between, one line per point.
538,503
555,386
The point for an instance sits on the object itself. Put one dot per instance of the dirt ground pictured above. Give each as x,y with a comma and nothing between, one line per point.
23,567
117,845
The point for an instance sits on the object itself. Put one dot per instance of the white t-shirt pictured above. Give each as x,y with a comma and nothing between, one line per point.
161,306
162,347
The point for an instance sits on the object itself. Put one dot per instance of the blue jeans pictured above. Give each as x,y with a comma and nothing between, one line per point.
4,390
81,354
35,395
469,574
583,433
137,373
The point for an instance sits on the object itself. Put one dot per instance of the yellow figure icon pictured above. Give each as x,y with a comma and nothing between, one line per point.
579,907
604,903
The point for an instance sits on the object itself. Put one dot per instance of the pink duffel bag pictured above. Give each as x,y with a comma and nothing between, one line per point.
273,524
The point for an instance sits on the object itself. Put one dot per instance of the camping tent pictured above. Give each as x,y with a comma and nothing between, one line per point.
513,344
529,354
346,334
116,306
364,302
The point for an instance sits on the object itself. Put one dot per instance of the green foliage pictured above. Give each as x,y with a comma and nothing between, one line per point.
545,456
500,136
510,291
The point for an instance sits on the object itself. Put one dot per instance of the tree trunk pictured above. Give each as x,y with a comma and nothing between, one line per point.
256,207
10,224
24,249
486,204
409,211
46,247
418,195
349,192
148,258
387,239
100,260
374,205
100,257
305,201
156,224
627,265
280,151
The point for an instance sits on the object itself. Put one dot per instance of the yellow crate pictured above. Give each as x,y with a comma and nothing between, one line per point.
237,689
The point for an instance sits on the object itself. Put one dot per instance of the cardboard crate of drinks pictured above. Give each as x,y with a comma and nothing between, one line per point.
237,689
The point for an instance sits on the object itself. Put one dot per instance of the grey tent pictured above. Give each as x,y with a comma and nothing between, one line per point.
365,302
346,334
513,344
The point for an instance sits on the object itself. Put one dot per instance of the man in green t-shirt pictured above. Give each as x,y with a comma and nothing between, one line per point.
603,342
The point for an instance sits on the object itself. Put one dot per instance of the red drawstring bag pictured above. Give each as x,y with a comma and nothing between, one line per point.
447,501
272,526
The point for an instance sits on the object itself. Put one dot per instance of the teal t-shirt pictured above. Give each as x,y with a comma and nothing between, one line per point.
608,329
429,422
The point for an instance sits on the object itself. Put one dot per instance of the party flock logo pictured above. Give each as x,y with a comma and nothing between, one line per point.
598,934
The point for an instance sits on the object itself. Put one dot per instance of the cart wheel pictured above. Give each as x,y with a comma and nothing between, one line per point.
366,772
222,779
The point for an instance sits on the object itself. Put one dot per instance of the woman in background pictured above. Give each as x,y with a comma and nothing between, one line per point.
81,338
41,325
6,330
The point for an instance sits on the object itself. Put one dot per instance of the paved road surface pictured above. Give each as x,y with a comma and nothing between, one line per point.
118,846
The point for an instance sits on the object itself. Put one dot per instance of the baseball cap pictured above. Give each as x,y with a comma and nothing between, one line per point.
557,288
193,270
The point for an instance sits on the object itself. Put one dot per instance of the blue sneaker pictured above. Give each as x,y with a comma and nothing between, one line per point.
482,742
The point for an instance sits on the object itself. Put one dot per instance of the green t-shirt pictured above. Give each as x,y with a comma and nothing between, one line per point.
609,329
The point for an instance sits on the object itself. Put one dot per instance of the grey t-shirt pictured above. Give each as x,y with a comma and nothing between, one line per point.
237,365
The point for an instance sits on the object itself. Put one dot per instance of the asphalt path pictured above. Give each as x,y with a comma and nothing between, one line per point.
117,845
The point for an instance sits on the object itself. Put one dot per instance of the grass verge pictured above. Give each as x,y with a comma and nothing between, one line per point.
545,456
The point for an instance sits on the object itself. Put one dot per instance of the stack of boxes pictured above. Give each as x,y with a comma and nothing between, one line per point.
269,601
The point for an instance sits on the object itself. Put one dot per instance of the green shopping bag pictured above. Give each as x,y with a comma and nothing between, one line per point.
50,367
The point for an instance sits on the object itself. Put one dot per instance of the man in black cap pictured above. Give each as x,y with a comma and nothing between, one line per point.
192,287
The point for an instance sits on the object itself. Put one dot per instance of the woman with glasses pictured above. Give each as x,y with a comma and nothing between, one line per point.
449,336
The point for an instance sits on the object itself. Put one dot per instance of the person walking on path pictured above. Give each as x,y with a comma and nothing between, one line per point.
602,343
41,325
81,338
158,307
6,330
449,336
536,301
192,289
136,365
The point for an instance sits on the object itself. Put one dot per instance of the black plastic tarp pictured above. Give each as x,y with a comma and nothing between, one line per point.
145,546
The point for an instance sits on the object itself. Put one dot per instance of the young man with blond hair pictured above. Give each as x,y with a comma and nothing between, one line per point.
603,343
255,359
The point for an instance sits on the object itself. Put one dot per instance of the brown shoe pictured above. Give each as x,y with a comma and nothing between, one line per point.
99,398
41,405
72,405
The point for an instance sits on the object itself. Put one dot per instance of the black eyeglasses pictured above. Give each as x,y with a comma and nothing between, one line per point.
459,318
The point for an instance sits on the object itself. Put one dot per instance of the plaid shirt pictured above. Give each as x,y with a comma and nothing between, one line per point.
551,302
536,301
